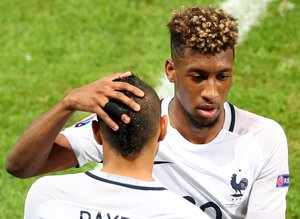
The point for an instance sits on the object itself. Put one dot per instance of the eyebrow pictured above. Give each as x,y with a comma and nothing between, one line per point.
198,70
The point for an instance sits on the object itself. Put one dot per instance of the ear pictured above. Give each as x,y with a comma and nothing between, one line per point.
163,127
96,131
170,70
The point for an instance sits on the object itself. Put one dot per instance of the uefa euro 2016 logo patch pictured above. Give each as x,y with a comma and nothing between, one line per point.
85,121
283,181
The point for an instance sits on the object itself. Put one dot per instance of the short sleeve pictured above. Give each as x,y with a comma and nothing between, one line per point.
268,193
81,138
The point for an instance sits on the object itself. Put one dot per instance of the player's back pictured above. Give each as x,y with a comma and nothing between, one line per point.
96,194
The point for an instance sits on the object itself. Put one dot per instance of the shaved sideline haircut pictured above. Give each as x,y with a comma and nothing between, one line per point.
131,138
207,30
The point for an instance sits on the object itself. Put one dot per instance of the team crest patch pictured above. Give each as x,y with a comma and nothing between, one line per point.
85,121
238,186
283,181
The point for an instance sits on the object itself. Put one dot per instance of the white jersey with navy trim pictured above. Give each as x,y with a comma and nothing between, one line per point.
96,194
243,171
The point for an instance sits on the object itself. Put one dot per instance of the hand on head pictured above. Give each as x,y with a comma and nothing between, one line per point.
94,96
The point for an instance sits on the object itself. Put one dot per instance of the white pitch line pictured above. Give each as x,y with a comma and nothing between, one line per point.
247,13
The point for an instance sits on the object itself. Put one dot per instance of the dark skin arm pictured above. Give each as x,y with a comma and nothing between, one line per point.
41,149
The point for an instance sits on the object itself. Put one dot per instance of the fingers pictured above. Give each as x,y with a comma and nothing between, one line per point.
94,96
121,75
111,123
125,86
105,117
116,86
116,112
125,100
132,89
125,118
113,109
115,94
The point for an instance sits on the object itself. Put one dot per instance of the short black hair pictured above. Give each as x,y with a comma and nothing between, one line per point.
131,138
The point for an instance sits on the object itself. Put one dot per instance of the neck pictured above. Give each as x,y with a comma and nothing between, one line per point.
180,122
140,168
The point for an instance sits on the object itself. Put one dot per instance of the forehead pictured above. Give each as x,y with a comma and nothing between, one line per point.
194,59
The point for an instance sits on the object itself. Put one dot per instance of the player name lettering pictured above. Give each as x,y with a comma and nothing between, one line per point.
99,215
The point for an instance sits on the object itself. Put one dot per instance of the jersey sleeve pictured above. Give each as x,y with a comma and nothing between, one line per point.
268,195
81,138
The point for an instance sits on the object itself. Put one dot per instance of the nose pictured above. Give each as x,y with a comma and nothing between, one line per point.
210,92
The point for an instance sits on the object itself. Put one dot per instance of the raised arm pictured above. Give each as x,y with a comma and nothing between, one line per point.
41,149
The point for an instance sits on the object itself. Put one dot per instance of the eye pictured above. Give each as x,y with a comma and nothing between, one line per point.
223,76
198,77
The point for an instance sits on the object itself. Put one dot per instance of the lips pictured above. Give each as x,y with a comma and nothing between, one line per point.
207,111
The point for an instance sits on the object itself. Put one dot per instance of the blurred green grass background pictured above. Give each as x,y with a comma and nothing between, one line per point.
49,47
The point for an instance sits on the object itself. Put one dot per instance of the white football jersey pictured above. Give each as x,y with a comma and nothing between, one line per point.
242,172
99,195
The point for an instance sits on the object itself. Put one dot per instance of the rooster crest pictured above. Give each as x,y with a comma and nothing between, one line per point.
238,187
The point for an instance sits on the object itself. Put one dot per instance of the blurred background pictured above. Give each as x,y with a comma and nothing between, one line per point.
49,47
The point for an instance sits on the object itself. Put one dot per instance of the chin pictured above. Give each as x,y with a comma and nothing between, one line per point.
201,123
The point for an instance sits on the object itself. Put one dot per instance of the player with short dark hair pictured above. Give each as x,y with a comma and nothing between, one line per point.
124,188
229,162
130,139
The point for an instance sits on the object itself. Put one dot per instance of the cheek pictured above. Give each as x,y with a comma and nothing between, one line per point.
186,93
225,89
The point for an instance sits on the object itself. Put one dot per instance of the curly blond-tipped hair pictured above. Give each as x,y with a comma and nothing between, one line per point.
208,30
